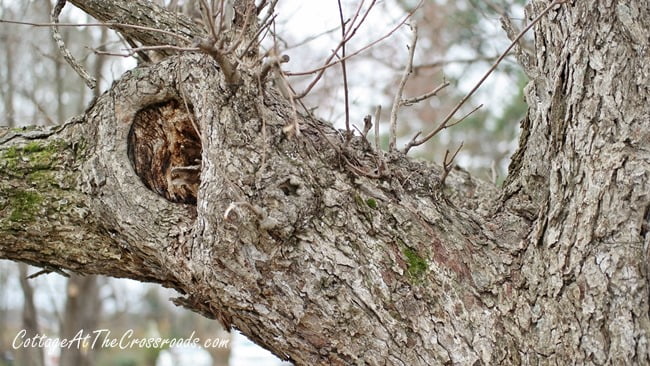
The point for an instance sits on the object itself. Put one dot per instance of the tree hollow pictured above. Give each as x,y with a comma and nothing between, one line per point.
164,148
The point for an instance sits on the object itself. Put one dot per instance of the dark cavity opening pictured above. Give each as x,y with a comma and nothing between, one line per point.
164,148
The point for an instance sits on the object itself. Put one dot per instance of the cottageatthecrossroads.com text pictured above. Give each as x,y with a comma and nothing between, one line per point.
101,338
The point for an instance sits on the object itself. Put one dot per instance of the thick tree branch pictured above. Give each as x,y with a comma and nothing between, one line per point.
46,218
144,14
315,229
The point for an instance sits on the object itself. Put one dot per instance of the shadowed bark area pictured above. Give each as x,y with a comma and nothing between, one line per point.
290,242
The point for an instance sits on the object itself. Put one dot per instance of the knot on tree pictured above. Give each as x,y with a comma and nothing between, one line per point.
164,147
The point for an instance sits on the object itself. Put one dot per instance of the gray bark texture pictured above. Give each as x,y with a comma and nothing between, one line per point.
293,243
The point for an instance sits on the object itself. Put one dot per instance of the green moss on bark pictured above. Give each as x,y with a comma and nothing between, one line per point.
24,205
416,265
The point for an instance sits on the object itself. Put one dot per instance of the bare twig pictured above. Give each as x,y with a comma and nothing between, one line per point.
133,51
440,63
261,6
242,31
109,25
269,12
357,170
445,122
377,118
32,98
425,96
397,102
191,115
367,125
495,175
346,38
448,165
346,89
76,66
329,63
256,40
461,119
379,152
310,38
285,88
47,270
208,19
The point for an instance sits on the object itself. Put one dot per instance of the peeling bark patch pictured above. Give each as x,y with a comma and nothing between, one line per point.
164,148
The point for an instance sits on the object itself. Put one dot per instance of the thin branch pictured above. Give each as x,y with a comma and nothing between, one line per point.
397,102
191,115
380,154
133,51
358,171
448,165
445,121
346,89
48,270
269,12
367,125
109,25
208,19
411,101
461,119
329,63
271,62
76,66
256,40
243,30
494,177
440,63
32,98
261,6
377,119
336,50
311,38
222,16
228,68
356,16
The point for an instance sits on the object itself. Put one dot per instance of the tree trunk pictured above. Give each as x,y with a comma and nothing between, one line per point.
581,289
289,238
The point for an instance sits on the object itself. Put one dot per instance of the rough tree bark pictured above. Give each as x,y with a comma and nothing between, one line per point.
290,243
